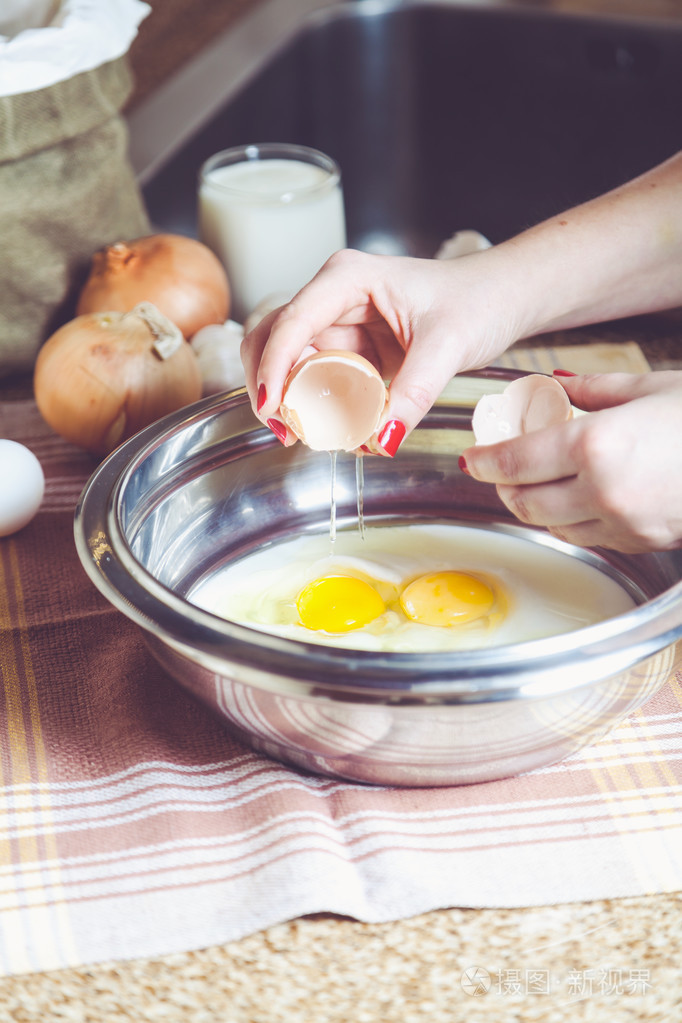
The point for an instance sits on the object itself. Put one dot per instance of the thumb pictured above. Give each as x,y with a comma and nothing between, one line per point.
606,390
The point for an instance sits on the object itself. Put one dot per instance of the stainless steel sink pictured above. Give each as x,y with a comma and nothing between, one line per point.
442,116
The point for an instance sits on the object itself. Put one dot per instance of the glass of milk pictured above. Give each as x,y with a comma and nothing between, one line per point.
273,214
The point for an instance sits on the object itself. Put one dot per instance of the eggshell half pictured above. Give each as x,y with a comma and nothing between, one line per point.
333,400
530,403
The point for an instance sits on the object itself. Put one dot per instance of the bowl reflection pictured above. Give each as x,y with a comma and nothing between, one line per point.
203,487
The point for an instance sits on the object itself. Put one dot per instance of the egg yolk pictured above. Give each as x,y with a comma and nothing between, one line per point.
338,603
447,598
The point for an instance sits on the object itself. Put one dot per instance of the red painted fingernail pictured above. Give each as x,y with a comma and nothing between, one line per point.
262,397
463,465
279,429
563,373
391,436
363,447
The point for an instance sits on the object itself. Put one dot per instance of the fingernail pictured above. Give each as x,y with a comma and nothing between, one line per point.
363,447
279,429
463,465
391,436
262,397
563,373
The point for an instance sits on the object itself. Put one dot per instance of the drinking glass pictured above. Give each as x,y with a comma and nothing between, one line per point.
272,213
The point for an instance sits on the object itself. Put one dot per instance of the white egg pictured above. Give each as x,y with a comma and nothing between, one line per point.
22,487
539,591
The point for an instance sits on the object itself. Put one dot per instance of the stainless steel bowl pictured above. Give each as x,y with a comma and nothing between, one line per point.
206,486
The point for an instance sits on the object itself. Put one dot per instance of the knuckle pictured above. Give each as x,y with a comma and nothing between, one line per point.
289,311
581,387
344,259
516,500
509,464
596,446
615,503
419,395
560,533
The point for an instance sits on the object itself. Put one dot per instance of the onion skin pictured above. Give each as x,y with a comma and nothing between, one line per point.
99,379
180,276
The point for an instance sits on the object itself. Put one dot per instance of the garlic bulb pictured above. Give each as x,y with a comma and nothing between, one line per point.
216,347
265,306
463,243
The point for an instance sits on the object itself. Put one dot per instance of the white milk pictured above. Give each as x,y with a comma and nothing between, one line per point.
272,223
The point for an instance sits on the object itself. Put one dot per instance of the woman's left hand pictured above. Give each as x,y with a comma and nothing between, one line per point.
610,479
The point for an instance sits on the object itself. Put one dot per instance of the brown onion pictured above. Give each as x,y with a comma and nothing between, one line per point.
179,275
103,376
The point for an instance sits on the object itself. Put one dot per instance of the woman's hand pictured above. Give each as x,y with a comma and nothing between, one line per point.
418,321
612,478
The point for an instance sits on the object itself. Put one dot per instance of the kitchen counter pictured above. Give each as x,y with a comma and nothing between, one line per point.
615,960
325,969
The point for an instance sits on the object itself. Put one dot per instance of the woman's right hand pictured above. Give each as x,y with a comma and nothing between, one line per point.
419,321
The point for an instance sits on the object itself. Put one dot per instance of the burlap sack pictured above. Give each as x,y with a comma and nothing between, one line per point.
66,189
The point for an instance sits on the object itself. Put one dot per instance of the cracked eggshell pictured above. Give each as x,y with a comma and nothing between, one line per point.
533,402
333,400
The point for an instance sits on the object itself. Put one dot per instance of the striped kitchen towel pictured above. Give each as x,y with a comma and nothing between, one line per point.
133,824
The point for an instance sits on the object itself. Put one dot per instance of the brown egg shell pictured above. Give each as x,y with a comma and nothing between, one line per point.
333,400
